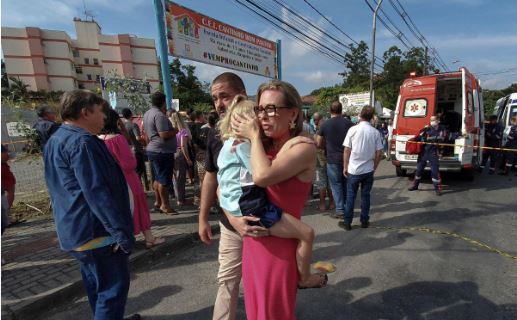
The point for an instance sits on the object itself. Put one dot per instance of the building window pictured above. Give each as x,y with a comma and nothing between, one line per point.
96,61
81,86
79,70
98,77
86,61
89,76
75,53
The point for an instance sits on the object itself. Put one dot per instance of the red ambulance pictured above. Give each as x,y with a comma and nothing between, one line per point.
456,97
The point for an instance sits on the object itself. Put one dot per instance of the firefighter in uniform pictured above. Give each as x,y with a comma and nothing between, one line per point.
493,136
432,134
511,156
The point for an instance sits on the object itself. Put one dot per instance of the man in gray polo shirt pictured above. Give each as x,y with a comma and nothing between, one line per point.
161,147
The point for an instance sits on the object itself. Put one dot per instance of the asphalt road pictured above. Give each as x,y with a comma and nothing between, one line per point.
396,269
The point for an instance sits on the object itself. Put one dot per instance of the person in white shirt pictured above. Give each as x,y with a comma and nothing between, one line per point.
363,150
390,136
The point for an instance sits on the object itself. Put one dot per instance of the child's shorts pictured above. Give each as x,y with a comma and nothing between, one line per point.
254,202
269,216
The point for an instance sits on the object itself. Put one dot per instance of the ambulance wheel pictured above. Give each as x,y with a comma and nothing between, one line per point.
400,172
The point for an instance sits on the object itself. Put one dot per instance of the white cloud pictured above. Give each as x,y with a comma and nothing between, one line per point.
36,13
117,6
319,77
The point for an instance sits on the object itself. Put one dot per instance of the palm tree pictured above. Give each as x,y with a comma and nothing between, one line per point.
18,89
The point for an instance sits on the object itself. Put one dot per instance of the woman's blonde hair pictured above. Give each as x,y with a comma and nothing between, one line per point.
240,105
177,121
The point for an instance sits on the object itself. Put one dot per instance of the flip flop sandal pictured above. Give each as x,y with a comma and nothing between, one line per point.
169,213
324,266
154,243
322,285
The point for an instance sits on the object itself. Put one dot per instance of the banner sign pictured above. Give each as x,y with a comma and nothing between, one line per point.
194,36
353,102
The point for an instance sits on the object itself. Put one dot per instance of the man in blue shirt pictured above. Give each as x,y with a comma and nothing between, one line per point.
90,202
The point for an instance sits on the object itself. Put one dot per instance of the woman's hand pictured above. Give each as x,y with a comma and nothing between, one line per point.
245,126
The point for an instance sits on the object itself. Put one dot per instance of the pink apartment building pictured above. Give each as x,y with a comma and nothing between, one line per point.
50,60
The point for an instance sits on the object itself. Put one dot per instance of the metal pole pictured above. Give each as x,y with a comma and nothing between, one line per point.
162,49
425,62
372,63
279,58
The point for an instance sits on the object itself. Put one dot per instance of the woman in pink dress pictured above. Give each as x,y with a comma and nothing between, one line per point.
119,148
286,169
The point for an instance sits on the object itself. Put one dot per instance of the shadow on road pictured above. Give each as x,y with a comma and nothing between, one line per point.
417,300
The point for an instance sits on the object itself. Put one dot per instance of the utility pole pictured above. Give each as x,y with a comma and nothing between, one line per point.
425,62
162,49
372,98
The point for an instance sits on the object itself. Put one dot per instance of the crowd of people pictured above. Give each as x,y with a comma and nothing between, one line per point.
255,162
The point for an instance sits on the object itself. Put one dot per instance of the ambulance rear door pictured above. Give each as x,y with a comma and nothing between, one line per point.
415,108
469,130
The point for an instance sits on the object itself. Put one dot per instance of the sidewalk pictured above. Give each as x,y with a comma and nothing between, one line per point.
39,276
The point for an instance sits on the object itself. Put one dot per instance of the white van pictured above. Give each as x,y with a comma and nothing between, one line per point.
505,109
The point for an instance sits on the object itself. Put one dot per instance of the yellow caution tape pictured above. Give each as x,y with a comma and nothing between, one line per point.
458,145
454,235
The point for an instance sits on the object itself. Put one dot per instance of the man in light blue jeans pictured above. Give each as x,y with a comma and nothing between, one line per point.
362,154
331,135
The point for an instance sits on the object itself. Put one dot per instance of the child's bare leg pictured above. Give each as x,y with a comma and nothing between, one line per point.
290,227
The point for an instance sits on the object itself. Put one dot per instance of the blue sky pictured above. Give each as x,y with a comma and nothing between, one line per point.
478,34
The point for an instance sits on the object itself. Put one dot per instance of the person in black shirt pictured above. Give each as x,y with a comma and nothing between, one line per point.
198,151
493,137
224,88
46,125
332,134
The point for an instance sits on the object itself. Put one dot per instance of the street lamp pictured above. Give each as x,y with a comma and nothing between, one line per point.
372,101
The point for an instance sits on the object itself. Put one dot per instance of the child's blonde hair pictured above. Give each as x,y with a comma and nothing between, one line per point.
240,105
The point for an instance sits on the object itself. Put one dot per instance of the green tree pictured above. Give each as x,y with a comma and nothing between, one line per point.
490,97
325,96
18,90
187,87
357,73
129,89
389,81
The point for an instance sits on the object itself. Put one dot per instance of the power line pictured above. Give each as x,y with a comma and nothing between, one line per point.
305,24
496,72
395,34
282,5
295,32
335,26
307,43
416,32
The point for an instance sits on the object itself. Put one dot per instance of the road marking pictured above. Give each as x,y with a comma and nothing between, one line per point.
452,234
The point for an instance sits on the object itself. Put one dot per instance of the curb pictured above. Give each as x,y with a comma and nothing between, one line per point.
38,308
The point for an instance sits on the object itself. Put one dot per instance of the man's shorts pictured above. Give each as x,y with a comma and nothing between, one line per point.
162,165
